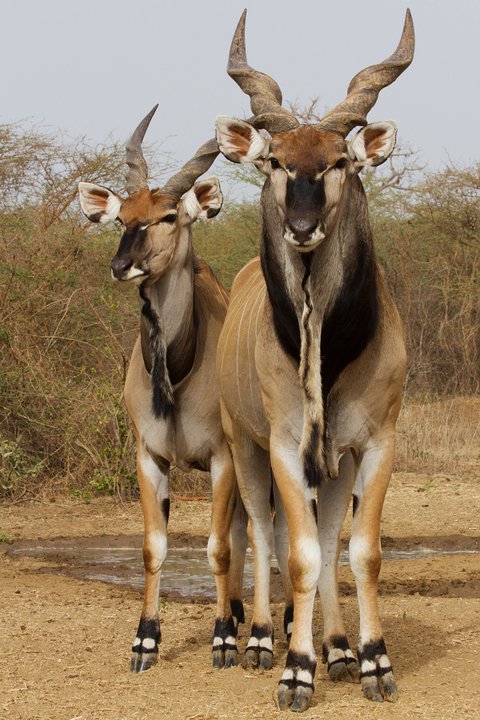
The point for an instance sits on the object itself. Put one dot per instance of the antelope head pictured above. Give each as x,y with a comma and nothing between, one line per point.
156,223
310,167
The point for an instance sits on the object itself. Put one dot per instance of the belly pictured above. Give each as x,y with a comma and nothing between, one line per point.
239,382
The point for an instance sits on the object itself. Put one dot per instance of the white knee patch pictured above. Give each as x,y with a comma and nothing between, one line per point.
308,551
212,554
360,555
156,542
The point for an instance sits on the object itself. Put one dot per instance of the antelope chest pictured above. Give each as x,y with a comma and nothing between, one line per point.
189,436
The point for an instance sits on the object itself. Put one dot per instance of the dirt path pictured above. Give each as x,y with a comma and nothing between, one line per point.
66,642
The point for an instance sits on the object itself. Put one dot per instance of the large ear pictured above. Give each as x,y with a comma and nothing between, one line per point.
98,203
204,199
374,143
239,141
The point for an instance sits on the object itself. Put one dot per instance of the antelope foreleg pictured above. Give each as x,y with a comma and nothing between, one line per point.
153,482
296,687
224,490
333,499
374,470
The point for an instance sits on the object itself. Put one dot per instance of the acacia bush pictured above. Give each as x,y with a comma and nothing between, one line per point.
66,331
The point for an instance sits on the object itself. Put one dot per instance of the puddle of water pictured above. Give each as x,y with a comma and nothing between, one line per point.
186,571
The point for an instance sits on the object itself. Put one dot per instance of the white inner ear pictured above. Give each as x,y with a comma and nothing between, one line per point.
235,146
99,201
259,145
380,149
191,204
194,208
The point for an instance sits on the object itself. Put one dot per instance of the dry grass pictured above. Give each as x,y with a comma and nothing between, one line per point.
441,436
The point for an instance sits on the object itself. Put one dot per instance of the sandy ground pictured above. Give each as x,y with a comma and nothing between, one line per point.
66,642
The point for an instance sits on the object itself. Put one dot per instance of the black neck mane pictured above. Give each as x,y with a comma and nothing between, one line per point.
351,321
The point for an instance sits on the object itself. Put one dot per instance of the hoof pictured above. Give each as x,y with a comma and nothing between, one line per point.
142,661
295,689
259,651
341,663
376,673
145,645
224,644
256,657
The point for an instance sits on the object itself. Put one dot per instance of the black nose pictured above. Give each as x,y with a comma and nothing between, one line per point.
302,227
120,266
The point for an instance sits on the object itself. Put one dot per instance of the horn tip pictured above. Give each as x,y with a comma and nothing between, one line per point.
237,48
408,28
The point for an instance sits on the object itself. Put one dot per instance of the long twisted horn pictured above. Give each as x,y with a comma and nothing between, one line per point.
199,164
137,171
265,94
363,90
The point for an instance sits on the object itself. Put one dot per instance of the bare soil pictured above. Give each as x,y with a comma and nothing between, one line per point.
66,641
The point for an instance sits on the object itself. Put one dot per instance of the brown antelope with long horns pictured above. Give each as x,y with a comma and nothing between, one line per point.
171,391
311,361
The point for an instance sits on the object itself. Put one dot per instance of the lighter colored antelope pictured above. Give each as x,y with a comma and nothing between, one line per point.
171,391
311,361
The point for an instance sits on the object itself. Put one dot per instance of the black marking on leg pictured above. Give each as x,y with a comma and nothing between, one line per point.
149,629
287,620
259,650
237,610
301,661
224,646
376,673
371,650
296,687
166,509
262,631
341,664
224,629
355,503
314,509
336,641
145,651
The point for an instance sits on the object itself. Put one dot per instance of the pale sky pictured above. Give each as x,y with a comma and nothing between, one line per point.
95,67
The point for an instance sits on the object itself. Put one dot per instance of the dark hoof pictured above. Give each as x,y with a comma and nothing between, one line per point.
224,656
343,671
224,644
376,674
341,663
258,657
145,645
143,661
259,651
295,689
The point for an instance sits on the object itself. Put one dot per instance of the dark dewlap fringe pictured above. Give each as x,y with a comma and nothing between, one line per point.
162,391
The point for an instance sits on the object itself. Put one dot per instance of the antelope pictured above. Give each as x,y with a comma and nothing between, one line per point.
171,392
311,361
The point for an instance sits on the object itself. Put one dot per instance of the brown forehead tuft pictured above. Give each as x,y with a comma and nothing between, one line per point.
145,206
307,147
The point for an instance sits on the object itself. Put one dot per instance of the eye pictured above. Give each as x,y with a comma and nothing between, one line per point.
274,163
170,218
341,163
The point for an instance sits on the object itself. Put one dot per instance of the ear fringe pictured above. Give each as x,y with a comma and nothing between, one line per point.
98,203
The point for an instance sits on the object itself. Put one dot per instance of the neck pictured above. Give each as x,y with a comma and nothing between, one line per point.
324,306
168,332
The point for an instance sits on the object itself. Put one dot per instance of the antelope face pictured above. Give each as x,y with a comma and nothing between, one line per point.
155,225
309,170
